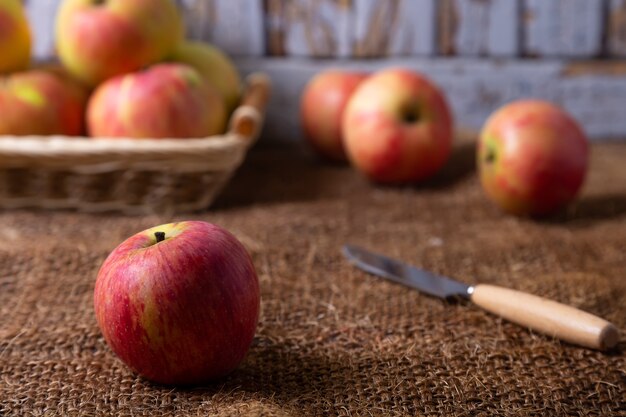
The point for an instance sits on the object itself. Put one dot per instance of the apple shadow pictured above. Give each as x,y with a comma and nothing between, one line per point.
589,210
293,376
290,173
282,173
460,165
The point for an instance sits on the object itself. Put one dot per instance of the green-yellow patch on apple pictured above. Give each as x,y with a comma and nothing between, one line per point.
214,65
41,102
30,95
166,231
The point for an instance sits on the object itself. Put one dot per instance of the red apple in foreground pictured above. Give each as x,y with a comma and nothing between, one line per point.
179,303
532,157
397,127
41,102
321,109
163,101
99,39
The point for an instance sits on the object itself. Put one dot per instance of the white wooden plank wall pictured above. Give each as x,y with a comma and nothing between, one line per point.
446,27
474,87
616,30
196,14
239,27
42,15
376,28
415,32
275,27
597,102
569,28
236,26
372,27
394,28
317,28
482,27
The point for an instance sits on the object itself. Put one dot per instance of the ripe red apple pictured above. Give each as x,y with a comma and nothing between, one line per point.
164,101
40,102
99,39
322,104
215,66
532,157
397,127
15,37
179,303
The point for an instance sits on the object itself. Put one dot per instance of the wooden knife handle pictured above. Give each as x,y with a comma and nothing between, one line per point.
546,316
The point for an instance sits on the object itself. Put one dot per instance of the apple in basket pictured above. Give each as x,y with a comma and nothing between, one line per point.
164,101
41,102
532,157
397,127
179,303
15,37
98,39
322,104
215,66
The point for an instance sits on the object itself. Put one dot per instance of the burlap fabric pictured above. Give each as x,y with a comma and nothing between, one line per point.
333,340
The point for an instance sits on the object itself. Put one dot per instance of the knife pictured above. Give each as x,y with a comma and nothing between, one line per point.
546,316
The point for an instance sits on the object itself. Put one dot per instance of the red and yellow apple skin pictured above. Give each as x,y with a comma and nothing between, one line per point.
40,102
397,127
532,158
164,101
322,105
213,65
15,37
99,39
181,309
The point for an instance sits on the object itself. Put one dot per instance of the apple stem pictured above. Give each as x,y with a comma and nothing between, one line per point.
160,236
491,156
411,116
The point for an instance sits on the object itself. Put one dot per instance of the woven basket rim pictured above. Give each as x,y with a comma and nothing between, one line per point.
68,145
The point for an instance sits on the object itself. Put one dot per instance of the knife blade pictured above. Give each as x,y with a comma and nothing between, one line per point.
546,316
408,275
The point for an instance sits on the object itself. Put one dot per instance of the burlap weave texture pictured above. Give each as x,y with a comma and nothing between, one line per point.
333,340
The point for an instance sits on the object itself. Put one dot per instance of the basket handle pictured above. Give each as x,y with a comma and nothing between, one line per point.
247,118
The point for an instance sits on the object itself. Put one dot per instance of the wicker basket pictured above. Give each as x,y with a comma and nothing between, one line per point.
133,176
